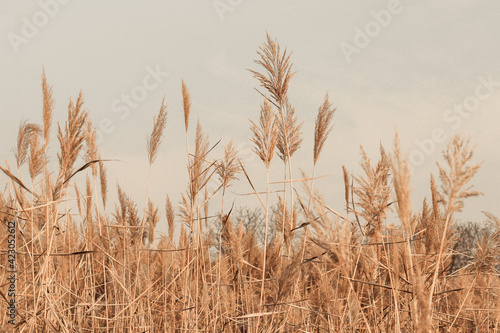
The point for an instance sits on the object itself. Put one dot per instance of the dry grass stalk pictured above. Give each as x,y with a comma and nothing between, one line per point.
154,141
287,221
104,182
170,219
374,192
88,206
265,134
432,225
265,139
276,80
71,138
289,138
48,106
185,211
278,70
186,101
78,199
323,127
153,217
206,200
401,172
153,146
347,188
26,132
229,167
37,156
198,169
457,155
91,153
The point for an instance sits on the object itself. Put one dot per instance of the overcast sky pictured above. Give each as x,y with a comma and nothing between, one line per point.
431,68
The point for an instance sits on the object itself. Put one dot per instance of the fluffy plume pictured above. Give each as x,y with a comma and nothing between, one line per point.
186,101
199,173
289,138
170,218
374,192
91,154
323,126
154,140
457,174
229,167
265,134
278,70
37,156
401,172
104,182
48,106
26,132
71,138
347,187
153,217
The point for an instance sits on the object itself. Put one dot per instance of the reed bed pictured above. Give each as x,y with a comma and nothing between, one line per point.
83,266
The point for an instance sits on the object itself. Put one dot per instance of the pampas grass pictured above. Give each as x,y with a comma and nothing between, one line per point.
323,127
265,134
186,101
154,140
84,268
48,106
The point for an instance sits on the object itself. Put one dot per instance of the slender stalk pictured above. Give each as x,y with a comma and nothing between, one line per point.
265,239
219,261
306,228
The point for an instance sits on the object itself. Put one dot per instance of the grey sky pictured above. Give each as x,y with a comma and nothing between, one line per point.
408,70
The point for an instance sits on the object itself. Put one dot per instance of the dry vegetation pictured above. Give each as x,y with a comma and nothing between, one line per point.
83,267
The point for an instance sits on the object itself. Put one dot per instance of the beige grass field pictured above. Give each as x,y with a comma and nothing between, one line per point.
372,264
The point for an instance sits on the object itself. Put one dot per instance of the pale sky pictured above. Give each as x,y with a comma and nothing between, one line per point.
423,66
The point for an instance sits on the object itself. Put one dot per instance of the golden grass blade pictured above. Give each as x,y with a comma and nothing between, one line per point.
82,168
259,314
15,179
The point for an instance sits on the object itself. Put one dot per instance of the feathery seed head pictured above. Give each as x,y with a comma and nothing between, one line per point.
277,68
265,134
323,126
186,100
289,138
154,140
229,167
48,106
